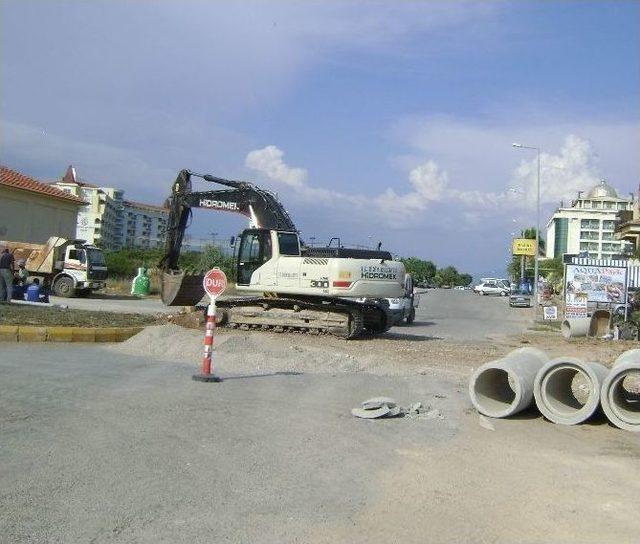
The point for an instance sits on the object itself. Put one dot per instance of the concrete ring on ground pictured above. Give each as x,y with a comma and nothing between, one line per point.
575,327
567,389
504,387
621,405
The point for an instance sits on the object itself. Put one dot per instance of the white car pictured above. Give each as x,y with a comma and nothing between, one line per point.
492,288
403,309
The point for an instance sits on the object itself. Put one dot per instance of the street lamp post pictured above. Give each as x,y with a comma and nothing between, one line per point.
535,262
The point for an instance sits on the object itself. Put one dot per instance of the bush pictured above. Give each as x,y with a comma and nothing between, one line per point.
124,263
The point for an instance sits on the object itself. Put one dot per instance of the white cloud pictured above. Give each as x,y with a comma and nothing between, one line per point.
573,168
268,160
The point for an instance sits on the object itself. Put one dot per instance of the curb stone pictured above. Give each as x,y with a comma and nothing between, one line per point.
27,333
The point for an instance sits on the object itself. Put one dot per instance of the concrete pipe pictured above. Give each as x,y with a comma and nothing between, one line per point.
574,327
620,395
567,390
504,387
600,323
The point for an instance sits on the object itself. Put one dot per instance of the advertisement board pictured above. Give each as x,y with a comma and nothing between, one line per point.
576,305
523,246
595,284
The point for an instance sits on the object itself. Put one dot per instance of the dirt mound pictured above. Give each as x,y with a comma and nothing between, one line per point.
236,352
164,342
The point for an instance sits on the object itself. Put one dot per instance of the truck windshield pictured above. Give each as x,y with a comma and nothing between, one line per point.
95,257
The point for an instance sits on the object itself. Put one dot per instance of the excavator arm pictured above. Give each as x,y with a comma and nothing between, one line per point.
260,206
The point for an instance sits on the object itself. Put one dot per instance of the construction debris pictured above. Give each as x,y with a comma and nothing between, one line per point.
385,407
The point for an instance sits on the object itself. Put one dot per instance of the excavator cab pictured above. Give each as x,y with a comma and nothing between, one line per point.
255,250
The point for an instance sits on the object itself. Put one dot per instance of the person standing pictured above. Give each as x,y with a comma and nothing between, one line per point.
6,276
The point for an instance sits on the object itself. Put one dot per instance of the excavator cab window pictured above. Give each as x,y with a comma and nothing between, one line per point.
288,243
255,250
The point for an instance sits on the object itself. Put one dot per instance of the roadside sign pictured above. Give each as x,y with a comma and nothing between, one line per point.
551,312
214,282
523,246
576,305
596,283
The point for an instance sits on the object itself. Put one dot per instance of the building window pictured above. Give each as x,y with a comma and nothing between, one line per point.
607,235
588,235
593,224
611,247
608,225
588,246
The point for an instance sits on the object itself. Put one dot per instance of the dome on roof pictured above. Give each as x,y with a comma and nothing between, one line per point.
602,190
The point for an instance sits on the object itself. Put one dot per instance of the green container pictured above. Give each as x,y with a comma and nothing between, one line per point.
141,284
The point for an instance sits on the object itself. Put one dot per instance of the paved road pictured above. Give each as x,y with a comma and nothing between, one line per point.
116,303
465,316
97,447
443,313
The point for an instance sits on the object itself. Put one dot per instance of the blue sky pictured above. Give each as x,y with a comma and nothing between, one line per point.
372,120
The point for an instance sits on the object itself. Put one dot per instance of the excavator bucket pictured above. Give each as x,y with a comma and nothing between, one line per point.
181,289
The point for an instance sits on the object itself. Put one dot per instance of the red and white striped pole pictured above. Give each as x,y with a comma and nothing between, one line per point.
206,375
214,283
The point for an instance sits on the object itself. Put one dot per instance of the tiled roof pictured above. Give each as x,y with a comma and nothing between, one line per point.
16,180
142,206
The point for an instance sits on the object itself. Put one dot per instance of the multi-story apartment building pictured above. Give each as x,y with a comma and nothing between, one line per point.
145,225
587,226
112,222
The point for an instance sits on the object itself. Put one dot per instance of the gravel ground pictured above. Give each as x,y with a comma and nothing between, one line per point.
388,355
118,444
98,447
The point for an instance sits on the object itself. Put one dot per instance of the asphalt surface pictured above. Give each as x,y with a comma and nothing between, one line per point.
97,447
465,316
443,313
116,303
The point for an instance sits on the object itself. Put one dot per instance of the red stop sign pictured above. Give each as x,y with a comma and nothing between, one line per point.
214,282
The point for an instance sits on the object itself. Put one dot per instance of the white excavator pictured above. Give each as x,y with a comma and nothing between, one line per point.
290,286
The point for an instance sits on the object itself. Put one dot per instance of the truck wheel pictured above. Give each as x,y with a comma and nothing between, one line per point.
63,287
411,317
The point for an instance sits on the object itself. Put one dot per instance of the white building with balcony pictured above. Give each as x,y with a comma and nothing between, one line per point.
587,226
112,222
145,225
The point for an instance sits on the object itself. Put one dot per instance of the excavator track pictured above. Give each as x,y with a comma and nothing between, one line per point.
345,319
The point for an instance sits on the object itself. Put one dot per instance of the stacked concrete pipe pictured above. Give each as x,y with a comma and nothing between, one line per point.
555,389
504,387
621,406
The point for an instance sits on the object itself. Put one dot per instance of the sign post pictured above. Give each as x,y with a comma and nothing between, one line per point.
214,283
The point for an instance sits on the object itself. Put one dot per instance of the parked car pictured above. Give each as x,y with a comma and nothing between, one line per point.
520,298
402,309
492,288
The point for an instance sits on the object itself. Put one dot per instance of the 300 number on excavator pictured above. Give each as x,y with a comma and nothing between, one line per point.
289,286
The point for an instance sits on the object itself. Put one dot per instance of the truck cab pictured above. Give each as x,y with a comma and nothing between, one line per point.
82,269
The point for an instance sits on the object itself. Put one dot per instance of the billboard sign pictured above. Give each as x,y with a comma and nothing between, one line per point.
523,246
595,284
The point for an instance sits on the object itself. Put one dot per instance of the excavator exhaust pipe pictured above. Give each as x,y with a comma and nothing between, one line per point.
181,289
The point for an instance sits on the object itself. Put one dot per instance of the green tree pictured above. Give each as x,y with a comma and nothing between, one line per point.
419,269
464,280
212,256
449,275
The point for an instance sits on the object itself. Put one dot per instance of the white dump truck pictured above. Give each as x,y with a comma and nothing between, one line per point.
68,267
